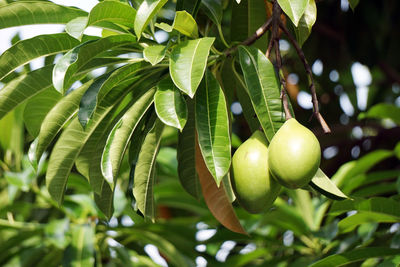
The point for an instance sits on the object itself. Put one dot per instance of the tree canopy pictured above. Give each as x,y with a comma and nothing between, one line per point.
123,142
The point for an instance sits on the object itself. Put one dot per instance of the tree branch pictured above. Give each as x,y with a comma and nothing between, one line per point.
249,41
307,67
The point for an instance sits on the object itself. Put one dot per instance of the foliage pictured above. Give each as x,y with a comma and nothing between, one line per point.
94,168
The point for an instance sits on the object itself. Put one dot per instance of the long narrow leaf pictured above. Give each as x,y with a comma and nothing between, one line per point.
145,171
74,60
355,255
29,49
263,89
120,135
71,142
39,12
212,125
58,116
101,87
23,88
186,155
37,108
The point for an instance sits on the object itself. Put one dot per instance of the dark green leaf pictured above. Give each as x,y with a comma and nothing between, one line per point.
186,155
37,108
246,19
214,10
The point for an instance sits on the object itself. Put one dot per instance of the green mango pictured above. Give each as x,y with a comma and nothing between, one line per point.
294,155
252,183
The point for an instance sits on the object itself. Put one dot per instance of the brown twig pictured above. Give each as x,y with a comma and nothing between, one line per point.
307,67
256,35
274,43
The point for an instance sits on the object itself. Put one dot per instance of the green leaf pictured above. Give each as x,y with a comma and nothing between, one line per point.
37,108
118,139
362,165
353,3
245,102
381,205
170,104
355,255
382,111
188,62
89,160
73,61
154,54
365,179
76,27
81,250
26,50
23,88
325,186
293,221
186,155
379,210
36,12
214,10
146,11
212,125
145,171
294,9
306,22
58,116
104,200
246,19
96,92
71,142
183,23
263,89
112,11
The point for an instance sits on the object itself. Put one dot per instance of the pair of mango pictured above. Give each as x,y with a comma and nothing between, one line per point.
292,159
